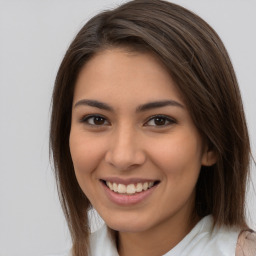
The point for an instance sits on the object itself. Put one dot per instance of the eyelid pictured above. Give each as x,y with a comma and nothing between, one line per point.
85,119
167,118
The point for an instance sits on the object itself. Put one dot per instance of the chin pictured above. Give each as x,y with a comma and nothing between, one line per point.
128,225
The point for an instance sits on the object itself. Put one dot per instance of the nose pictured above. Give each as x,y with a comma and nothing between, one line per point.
125,150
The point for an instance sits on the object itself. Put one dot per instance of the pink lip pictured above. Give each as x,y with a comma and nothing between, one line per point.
127,200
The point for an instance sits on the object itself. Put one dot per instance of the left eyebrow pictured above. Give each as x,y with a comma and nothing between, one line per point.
94,103
158,104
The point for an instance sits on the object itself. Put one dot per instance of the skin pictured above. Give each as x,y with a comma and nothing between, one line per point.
132,144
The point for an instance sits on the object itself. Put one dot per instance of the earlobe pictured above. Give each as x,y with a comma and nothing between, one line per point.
209,158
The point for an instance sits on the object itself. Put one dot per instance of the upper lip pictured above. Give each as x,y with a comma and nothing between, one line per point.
118,180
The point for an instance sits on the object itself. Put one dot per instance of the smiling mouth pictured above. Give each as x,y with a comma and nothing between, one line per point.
130,189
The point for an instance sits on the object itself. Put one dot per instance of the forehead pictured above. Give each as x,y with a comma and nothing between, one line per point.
121,74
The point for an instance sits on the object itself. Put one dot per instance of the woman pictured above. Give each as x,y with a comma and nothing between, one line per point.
148,128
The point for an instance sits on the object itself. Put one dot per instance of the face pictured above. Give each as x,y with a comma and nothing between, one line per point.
136,152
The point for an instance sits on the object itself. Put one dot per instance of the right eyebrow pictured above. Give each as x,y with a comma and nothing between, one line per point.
93,103
158,104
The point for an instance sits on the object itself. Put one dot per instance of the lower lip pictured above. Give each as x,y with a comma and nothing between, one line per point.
124,199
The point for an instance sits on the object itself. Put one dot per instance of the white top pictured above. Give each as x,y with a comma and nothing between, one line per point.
201,241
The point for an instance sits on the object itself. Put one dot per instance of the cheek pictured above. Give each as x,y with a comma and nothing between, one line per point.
179,161
179,155
86,154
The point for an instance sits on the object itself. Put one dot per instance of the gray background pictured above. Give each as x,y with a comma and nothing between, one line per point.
33,38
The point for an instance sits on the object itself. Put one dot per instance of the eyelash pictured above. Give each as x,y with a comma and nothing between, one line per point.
86,119
164,118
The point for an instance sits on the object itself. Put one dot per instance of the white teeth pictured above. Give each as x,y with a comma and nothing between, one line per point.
145,186
150,184
121,188
139,187
109,185
129,189
115,187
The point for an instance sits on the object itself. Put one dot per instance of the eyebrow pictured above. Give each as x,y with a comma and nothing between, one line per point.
158,104
141,108
94,103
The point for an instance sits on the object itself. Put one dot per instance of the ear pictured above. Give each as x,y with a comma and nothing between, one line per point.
209,157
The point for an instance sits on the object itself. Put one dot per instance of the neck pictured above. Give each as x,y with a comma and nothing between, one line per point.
157,240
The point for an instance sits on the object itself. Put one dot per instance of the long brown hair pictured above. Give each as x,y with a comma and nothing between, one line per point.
200,66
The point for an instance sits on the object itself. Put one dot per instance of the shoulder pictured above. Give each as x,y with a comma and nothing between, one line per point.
101,243
207,239
246,244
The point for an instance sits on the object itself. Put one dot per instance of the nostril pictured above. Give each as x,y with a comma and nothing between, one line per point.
124,160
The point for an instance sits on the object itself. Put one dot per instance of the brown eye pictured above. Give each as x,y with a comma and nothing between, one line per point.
95,120
98,120
160,121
